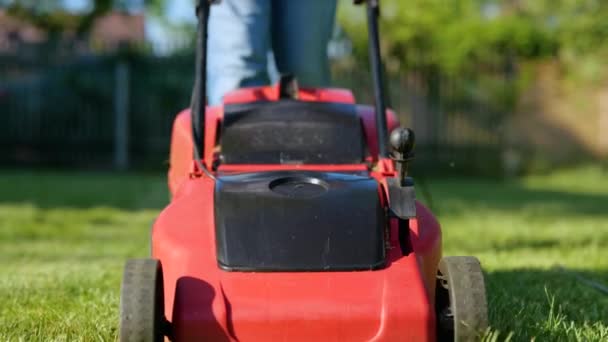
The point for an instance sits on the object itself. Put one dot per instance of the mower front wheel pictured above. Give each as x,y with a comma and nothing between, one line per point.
142,302
460,300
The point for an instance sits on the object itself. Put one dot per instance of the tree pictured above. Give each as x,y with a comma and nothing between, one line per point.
453,36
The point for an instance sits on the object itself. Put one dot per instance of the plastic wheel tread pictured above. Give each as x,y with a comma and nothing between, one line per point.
142,302
461,305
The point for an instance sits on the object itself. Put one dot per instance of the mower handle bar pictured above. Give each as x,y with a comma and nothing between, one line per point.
198,102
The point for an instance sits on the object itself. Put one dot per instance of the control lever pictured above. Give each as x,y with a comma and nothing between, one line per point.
402,142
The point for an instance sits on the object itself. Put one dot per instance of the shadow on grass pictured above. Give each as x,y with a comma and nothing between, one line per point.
547,303
149,191
130,191
535,244
453,197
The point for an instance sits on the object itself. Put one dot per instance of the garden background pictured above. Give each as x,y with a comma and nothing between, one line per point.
508,99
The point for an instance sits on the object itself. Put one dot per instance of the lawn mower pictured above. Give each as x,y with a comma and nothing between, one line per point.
296,220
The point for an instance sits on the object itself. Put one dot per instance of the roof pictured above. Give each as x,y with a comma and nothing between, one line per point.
117,28
13,31
108,32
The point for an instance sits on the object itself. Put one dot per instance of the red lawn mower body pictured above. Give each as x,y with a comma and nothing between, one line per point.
203,301
291,220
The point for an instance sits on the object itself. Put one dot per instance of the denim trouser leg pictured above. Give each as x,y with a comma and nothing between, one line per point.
237,46
241,32
301,31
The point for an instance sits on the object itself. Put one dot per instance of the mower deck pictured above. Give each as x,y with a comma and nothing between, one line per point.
290,220
209,301
331,306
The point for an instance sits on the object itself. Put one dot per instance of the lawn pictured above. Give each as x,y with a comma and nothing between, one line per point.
64,238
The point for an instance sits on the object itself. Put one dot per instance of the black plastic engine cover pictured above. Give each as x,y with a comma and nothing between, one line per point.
291,132
299,221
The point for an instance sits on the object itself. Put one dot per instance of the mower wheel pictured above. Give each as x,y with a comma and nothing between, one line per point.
142,302
460,300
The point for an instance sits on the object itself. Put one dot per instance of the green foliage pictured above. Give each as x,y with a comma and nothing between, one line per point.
451,36
470,36
578,25
157,7
481,46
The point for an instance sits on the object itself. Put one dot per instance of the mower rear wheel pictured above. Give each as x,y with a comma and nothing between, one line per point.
142,303
460,300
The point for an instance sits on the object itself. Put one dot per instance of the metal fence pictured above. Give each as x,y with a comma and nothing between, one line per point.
87,110
456,130
117,112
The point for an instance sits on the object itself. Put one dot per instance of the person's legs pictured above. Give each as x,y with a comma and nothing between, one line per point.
301,31
238,45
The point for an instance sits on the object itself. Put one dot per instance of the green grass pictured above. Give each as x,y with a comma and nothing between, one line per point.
64,238
63,241
523,231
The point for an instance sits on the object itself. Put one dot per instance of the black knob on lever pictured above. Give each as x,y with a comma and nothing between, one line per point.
402,141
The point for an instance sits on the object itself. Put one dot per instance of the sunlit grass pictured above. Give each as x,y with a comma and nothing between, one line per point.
526,233
64,238
63,241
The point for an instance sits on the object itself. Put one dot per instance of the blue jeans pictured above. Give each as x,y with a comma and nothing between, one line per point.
242,33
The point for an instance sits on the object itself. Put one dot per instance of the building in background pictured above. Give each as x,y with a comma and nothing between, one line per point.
15,32
107,33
